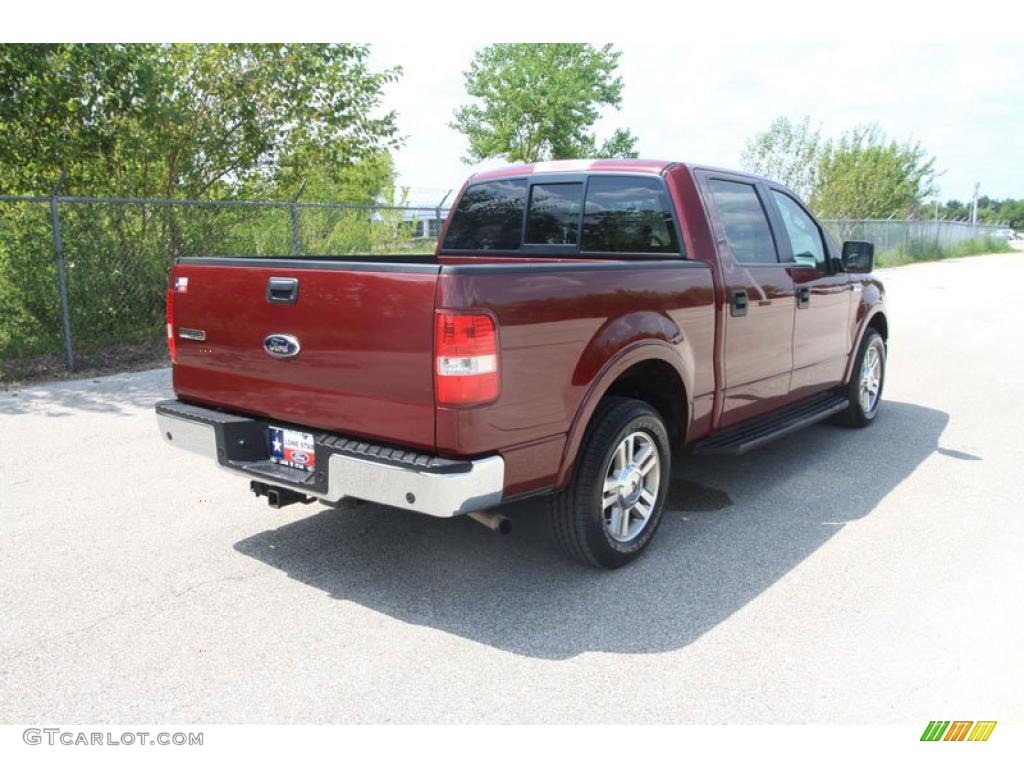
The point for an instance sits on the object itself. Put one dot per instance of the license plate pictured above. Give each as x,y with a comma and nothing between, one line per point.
292,448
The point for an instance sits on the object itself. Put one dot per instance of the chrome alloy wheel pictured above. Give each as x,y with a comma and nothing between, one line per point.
870,379
631,486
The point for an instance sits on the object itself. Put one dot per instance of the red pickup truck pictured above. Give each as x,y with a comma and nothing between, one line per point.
580,323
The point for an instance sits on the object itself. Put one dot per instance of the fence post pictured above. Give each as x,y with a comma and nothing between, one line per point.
62,283
296,243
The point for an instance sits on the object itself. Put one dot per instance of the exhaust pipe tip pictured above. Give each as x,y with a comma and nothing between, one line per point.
496,522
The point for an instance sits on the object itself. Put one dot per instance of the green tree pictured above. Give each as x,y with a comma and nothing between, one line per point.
787,152
1012,212
865,175
183,119
540,102
954,209
991,211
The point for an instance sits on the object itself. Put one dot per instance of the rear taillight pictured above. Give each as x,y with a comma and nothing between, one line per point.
465,359
170,326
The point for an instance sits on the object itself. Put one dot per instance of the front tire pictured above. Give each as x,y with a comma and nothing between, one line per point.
609,512
865,388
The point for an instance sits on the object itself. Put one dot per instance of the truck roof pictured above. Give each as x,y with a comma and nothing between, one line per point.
612,165
620,165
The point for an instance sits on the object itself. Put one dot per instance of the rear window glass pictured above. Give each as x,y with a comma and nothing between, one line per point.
489,217
554,215
628,215
746,224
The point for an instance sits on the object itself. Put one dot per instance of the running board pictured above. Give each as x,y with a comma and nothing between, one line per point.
754,434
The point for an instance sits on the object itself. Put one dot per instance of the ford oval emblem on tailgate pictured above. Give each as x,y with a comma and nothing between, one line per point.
281,345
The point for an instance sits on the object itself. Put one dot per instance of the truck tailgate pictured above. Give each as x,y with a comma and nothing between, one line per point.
365,336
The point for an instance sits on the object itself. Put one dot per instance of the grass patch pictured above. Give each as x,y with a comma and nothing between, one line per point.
930,250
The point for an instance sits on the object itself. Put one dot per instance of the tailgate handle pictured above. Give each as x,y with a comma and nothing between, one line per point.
283,290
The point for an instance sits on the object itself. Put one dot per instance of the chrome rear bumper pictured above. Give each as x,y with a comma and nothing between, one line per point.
402,479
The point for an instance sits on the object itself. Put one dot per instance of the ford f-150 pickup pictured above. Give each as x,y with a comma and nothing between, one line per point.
580,325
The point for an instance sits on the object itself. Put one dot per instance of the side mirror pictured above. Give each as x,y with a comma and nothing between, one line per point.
858,256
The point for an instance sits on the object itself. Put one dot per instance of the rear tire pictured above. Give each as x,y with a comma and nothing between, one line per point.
865,388
611,509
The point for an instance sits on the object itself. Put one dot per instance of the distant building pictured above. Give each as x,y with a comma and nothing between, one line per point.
426,222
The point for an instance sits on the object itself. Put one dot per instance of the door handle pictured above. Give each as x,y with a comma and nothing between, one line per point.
282,290
803,298
738,303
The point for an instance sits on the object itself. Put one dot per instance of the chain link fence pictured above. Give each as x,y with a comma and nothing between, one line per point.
909,236
83,279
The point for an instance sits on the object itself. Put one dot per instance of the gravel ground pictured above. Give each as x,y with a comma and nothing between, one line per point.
869,576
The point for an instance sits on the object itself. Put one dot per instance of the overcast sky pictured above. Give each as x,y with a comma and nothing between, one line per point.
701,103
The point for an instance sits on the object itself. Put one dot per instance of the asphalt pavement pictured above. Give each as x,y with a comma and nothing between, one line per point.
835,576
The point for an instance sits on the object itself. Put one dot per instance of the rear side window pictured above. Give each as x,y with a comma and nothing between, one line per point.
554,215
489,217
746,224
626,214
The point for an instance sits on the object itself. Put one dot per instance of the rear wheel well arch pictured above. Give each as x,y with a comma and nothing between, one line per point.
639,374
658,384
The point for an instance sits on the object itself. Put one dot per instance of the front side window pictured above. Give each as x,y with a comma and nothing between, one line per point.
489,217
554,214
804,236
626,214
746,225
